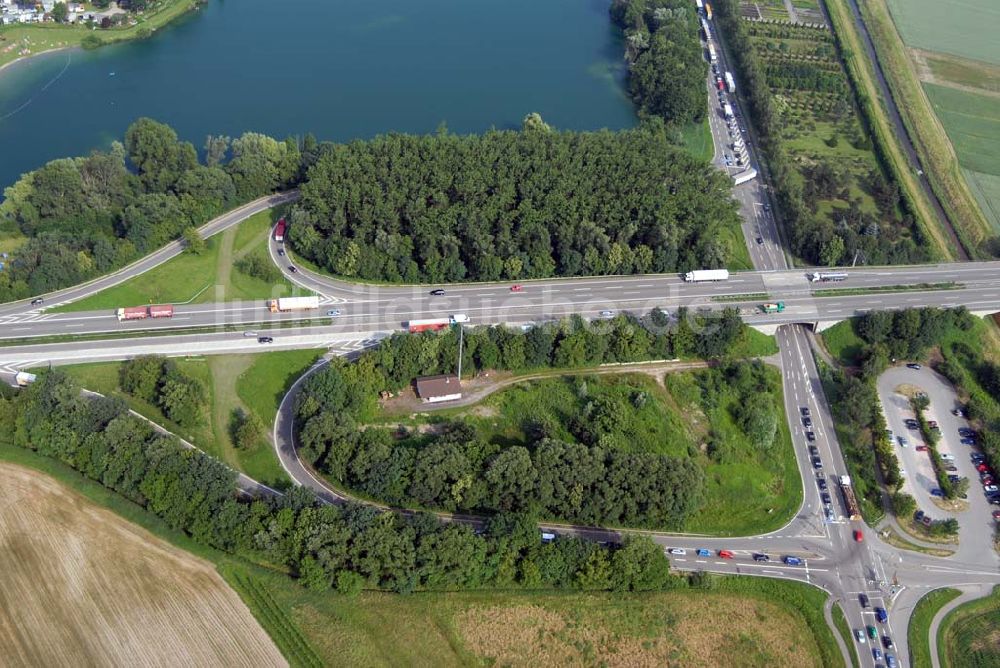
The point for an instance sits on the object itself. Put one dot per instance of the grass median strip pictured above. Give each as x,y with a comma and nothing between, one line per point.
917,287
920,624
748,297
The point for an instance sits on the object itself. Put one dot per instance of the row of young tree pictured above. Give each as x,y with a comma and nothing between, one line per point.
346,547
508,204
586,482
890,237
666,67
87,216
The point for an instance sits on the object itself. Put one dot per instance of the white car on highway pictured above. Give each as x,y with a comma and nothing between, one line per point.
678,551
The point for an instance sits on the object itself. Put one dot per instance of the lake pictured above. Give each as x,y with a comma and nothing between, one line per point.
337,68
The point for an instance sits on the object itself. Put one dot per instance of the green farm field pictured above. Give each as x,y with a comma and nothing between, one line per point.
966,28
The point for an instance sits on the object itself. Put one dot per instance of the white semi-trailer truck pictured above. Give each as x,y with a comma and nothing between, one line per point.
703,275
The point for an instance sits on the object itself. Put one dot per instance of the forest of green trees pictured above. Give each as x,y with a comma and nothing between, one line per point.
346,547
580,482
88,216
666,67
513,204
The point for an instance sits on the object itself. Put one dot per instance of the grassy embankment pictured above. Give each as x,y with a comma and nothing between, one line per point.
767,621
920,624
844,630
926,131
747,491
967,637
199,279
42,37
254,383
863,78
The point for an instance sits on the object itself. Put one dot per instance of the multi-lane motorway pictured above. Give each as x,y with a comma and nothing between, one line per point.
831,556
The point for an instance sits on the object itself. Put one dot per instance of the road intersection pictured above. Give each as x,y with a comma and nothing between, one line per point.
830,555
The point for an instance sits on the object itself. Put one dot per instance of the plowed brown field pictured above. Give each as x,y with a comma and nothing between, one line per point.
79,586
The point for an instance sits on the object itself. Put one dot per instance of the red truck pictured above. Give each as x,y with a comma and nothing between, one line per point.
279,230
143,312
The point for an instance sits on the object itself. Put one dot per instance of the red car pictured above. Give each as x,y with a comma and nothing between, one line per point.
725,554
982,468
858,536
921,448
996,515
516,288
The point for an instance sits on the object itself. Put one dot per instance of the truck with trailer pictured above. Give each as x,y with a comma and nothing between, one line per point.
23,378
730,82
279,230
775,307
143,312
727,109
706,30
826,276
708,11
704,275
285,304
853,511
432,324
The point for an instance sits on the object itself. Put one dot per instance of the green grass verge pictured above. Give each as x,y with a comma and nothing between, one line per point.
697,139
41,37
967,635
924,128
198,279
846,292
918,635
254,382
843,342
840,621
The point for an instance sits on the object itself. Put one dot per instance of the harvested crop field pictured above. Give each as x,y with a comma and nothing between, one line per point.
81,586
657,632
964,28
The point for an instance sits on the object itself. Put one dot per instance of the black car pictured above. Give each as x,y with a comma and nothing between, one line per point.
887,641
813,450
863,600
817,463
292,269
761,557
438,292
807,421
821,482
912,365
825,497
805,411
281,251
810,436
265,339
36,301
760,241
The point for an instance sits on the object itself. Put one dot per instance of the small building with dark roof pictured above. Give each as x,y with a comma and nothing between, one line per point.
435,389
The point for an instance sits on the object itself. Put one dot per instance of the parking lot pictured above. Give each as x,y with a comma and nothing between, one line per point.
919,477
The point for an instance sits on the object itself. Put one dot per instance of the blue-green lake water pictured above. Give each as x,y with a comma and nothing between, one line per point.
341,69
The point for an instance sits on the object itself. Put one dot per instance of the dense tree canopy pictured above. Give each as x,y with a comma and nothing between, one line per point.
347,547
87,216
508,204
666,66
592,480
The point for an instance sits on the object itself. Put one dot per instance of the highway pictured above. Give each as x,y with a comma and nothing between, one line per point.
831,556
365,308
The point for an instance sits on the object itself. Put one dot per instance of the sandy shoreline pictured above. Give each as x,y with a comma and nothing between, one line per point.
22,59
